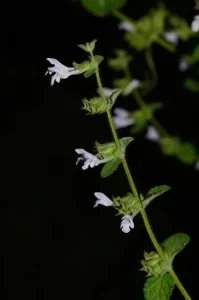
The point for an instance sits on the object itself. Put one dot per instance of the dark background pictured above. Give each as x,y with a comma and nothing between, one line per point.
57,245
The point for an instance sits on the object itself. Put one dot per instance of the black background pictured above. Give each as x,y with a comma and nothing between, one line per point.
57,245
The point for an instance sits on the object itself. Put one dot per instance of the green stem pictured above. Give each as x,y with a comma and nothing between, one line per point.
135,193
119,15
152,68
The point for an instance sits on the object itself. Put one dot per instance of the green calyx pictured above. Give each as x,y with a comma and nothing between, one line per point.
110,150
127,205
112,155
152,264
99,105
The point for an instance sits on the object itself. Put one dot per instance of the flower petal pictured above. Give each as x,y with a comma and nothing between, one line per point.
102,199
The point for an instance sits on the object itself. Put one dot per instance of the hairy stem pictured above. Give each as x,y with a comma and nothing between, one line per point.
135,193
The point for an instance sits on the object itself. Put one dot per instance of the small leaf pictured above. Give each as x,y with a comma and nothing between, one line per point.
110,167
121,61
158,287
89,46
83,47
191,84
195,55
121,82
114,96
90,72
102,7
170,145
155,192
175,243
98,59
124,142
187,153
92,45
181,27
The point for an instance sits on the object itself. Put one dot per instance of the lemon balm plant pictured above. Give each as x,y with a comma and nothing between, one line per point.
166,29
157,264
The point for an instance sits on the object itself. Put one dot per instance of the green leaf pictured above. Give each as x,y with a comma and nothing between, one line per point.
102,7
175,243
141,117
137,40
114,96
158,287
170,145
88,47
181,27
154,193
83,47
121,61
158,19
187,153
148,28
195,55
98,59
192,85
90,72
110,167
124,142
121,82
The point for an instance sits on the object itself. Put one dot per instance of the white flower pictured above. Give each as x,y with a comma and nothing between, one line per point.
122,118
152,134
89,159
171,37
197,166
126,26
107,91
102,199
195,24
135,83
127,223
60,71
183,65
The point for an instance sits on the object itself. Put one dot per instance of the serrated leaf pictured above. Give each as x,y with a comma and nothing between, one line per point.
192,85
154,193
175,243
110,167
158,287
102,7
